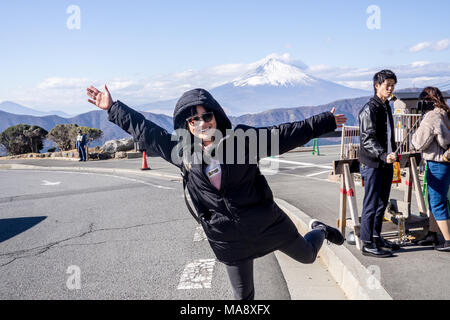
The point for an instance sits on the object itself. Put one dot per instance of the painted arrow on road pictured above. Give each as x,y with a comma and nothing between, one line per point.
48,183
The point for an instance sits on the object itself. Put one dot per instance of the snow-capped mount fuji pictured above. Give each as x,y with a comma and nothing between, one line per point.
271,83
274,83
275,73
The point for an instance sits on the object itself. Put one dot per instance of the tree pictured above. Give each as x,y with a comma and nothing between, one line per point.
23,138
64,135
92,134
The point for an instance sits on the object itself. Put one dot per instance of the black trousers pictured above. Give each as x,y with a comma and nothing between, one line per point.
377,187
303,250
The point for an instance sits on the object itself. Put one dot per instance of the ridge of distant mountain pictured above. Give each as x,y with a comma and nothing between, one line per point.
15,108
99,119
94,119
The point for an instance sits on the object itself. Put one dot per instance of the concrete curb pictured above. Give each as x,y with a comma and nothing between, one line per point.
85,169
357,282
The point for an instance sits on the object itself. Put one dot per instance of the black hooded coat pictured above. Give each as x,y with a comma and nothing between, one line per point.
241,220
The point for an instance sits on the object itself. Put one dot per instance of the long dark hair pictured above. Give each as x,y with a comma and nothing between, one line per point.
435,96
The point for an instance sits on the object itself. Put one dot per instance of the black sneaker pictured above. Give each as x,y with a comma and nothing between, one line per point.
387,245
372,250
331,234
430,239
445,247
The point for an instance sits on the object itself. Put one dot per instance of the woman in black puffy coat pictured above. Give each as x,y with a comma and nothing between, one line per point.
232,199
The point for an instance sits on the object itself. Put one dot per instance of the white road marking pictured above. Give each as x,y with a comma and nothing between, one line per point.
317,173
107,175
143,182
268,172
197,275
306,164
48,183
199,235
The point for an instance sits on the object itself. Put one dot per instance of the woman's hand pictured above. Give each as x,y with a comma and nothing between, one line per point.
102,100
339,118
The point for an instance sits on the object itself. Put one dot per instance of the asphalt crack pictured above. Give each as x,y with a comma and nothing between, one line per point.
33,252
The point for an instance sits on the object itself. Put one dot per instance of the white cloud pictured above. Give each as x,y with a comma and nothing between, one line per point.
68,94
61,83
420,47
438,46
415,74
442,45
363,85
420,63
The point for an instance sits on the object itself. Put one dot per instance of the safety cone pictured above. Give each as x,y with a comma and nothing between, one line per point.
144,161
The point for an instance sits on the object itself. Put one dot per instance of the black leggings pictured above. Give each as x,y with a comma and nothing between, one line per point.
303,250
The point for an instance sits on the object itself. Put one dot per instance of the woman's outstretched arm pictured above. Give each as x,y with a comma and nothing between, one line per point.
156,140
278,139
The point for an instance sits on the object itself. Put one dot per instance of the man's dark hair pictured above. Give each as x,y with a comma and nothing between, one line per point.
382,76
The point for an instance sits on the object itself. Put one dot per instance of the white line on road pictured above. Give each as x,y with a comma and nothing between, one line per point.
274,172
197,275
317,173
306,164
108,175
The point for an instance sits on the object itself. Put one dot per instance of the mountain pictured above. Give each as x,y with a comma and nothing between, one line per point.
12,107
349,107
95,119
99,119
272,83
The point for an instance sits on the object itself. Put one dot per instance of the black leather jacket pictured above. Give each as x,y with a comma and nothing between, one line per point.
373,128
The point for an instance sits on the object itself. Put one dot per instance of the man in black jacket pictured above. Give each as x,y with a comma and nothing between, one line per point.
377,156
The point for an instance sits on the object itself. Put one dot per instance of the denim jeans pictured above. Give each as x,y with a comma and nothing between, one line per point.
438,179
81,153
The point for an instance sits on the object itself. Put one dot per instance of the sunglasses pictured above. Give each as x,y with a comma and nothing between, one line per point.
206,117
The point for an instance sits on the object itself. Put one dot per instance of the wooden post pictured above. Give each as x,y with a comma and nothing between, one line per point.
418,189
351,195
343,207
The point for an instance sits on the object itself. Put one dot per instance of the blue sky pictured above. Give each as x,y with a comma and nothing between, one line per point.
145,39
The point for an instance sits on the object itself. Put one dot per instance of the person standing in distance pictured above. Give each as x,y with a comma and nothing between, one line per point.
377,156
81,145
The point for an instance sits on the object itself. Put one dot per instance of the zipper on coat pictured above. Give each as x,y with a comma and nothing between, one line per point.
223,191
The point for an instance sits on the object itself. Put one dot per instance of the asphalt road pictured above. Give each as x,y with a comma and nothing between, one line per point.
298,178
67,235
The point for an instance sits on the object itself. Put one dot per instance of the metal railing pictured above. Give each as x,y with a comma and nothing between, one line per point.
405,126
349,143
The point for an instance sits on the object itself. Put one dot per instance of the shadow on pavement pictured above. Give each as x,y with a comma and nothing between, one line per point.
11,227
